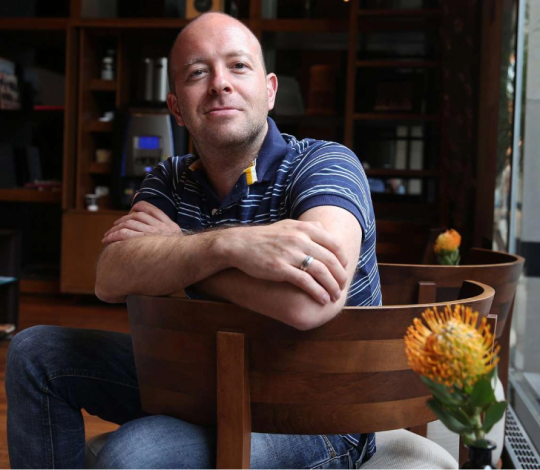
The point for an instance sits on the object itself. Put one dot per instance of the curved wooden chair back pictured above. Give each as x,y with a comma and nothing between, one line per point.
214,363
406,284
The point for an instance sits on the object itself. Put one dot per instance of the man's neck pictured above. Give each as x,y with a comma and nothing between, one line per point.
224,167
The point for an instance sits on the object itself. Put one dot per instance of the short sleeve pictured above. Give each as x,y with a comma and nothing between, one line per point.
157,187
331,175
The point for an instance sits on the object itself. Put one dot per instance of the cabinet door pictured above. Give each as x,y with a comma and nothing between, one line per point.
82,233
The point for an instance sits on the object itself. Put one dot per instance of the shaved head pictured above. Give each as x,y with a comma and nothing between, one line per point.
173,66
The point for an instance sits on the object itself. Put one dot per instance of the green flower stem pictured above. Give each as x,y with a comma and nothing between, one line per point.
477,425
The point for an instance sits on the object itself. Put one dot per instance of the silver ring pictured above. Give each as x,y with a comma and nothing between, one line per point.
306,263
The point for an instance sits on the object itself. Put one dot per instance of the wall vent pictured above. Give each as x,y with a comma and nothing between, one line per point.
518,445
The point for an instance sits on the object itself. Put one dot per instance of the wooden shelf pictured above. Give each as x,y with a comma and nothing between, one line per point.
304,25
40,286
132,23
399,64
402,13
26,24
100,168
310,120
395,173
119,213
30,195
395,117
102,85
99,126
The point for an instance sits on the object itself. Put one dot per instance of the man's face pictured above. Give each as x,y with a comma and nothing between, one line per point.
222,94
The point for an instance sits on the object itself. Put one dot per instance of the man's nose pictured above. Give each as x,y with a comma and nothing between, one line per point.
220,82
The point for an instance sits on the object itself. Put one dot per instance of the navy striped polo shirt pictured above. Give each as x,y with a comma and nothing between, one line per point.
287,178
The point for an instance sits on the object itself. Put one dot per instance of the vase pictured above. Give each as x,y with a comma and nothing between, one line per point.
480,457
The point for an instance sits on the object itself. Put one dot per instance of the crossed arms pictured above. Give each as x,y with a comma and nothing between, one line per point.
255,267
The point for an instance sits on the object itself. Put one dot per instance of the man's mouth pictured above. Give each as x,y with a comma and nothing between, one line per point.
221,111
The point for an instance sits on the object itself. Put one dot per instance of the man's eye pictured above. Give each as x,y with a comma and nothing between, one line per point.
239,66
196,73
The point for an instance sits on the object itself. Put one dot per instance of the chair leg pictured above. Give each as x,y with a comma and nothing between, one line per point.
233,402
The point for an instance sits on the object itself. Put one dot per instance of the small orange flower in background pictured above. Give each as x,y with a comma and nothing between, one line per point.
447,247
448,241
451,351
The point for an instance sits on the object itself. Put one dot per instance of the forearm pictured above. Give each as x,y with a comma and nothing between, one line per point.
157,265
279,300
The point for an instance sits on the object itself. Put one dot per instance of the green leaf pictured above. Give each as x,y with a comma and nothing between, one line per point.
446,417
482,393
442,392
491,375
493,414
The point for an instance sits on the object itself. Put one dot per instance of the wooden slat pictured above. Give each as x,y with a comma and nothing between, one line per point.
427,292
233,402
164,312
342,419
329,389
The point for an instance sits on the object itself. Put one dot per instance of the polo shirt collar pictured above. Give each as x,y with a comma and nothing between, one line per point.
273,150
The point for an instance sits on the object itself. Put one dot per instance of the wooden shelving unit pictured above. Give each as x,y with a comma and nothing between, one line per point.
31,195
395,117
88,97
99,126
97,84
100,168
34,24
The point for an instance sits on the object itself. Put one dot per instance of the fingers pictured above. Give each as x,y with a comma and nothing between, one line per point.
307,283
141,217
326,279
151,210
321,237
120,235
134,226
327,259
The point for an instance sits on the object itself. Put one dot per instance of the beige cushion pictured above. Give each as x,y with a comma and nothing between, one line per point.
93,446
404,449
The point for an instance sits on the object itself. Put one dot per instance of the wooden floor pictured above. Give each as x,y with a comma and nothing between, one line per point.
72,312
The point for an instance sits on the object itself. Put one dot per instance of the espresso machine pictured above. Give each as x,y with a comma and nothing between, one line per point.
146,132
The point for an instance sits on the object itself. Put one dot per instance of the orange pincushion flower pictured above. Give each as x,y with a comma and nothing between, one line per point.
447,241
452,351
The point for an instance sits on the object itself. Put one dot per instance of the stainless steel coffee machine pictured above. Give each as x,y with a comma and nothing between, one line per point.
148,141
146,136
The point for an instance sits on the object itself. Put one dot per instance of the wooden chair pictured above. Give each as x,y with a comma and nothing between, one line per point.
405,284
216,364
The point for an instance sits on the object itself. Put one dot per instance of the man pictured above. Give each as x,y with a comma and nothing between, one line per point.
280,226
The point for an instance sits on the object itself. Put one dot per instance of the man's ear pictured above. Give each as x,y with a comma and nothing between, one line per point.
172,103
271,87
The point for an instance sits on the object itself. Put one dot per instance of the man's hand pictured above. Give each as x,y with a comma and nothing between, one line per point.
275,253
143,219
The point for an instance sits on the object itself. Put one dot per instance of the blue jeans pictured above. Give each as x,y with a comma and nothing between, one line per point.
52,373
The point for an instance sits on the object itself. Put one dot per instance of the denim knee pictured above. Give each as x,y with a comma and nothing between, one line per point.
28,352
158,442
